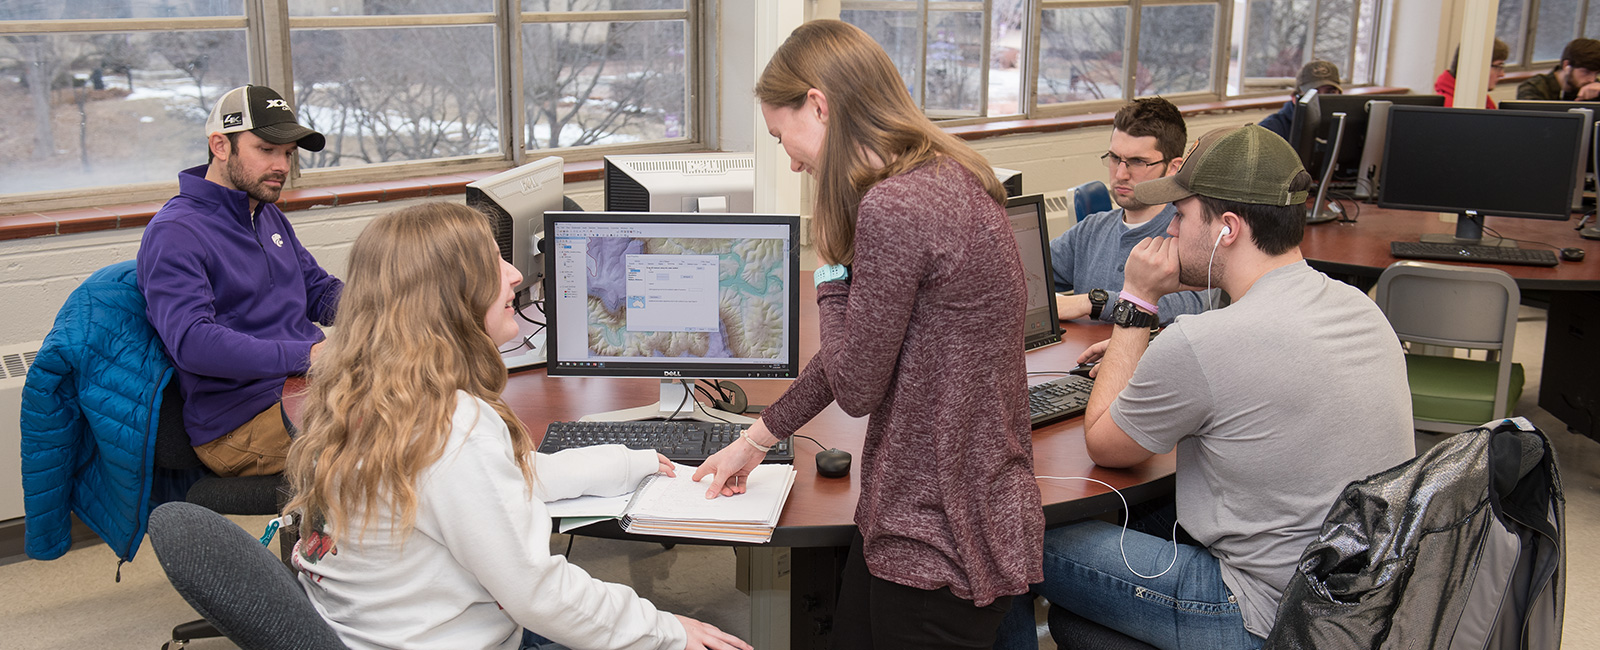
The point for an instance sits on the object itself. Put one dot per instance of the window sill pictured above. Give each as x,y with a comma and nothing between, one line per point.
64,222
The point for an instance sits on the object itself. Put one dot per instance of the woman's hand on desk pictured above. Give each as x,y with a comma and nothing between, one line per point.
705,636
730,466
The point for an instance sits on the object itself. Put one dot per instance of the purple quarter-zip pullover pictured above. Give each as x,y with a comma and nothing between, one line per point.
234,297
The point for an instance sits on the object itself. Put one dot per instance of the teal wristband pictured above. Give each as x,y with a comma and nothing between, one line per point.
829,273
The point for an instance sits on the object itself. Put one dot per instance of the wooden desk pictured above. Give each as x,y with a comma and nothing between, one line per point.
792,579
1572,289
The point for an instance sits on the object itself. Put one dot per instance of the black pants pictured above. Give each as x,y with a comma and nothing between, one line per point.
874,613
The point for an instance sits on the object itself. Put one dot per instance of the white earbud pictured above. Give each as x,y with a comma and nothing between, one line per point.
1227,230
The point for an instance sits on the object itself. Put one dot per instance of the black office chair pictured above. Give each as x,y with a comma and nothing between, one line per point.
1073,631
240,495
235,582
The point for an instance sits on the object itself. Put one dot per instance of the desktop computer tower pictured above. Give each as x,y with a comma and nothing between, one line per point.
1571,353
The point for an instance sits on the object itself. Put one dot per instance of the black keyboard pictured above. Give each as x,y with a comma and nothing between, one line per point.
683,441
1058,399
1416,250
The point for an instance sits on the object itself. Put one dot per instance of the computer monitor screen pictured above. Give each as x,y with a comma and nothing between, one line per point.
673,295
515,201
1312,130
691,182
1478,162
1041,326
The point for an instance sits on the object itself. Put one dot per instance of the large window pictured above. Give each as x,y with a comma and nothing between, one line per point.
104,93
1043,57
1537,30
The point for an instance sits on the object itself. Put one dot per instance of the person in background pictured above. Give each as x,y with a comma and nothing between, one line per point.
1273,405
422,496
1573,78
233,295
1147,139
1446,83
1321,76
920,303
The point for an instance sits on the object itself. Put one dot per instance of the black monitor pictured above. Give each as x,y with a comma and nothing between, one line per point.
1477,163
1313,130
673,296
1042,325
1586,146
681,182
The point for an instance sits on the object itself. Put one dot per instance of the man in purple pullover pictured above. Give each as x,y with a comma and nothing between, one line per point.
230,290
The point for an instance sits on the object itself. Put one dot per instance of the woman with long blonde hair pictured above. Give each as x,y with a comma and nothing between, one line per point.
423,502
921,301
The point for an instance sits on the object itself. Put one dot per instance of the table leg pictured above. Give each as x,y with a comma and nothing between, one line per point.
793,592
765,573
1571,353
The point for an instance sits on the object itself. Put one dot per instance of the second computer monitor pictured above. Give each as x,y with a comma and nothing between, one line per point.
1313,132
689,182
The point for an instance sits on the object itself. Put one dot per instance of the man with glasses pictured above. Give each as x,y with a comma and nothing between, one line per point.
1147,141
1446,83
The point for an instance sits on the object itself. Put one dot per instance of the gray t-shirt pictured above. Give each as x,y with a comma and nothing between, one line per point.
1275,404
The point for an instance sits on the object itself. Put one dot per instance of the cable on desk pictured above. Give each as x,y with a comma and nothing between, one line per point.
540,303
1497,234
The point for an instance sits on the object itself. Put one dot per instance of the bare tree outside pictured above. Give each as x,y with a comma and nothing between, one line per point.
1277,34
1177,49
593,82
897,32
1081,56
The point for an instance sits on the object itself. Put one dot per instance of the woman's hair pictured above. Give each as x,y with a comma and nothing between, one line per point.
409,333
868,110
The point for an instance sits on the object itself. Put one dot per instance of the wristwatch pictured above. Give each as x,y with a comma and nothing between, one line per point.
1097,302
1127,314
830,272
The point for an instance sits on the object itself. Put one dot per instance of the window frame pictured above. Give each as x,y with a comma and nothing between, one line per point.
1529,32
267,26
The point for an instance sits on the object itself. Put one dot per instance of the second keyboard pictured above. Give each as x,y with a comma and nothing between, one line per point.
683,441
1058,399
1416,250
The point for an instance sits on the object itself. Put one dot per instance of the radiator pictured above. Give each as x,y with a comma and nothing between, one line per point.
14,363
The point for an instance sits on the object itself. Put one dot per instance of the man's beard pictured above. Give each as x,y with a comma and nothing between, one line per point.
1198,274
257,187
1129,204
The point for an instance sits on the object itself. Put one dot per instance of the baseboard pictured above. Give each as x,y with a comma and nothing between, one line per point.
13,534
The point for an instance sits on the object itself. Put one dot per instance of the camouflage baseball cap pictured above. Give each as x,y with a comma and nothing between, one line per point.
1317,74
1247,164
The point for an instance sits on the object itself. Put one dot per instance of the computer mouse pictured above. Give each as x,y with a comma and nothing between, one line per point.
1572,254
833,463
1083,369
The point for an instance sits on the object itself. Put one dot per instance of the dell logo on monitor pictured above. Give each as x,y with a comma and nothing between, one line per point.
702,167
672,373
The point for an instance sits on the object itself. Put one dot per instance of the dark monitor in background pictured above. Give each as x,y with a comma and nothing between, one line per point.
675,296
686,182
1011,179
1314,129
1042,325
1587,146
1478,163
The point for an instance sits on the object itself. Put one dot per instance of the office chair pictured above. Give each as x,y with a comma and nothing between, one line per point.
1459,307
235,582
1070,630
1089,198
235,495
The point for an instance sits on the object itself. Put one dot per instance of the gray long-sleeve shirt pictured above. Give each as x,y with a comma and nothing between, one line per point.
1093,253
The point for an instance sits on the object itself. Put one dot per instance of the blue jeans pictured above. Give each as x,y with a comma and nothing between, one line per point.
531,641
1188,607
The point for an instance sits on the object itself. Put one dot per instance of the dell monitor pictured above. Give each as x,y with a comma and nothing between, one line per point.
1477,163
1587,109
1010,179
689,182
515,201
673,296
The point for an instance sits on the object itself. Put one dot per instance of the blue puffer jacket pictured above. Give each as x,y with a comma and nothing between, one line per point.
89,413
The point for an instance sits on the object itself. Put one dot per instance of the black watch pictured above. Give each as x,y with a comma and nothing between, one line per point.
1127,314
1097,302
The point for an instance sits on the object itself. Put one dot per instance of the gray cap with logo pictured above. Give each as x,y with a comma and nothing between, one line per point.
1247,164
1317,74
261,110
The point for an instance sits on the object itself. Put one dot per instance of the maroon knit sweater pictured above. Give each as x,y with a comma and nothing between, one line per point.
926,339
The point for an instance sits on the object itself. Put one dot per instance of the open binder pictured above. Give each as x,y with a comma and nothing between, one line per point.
678,507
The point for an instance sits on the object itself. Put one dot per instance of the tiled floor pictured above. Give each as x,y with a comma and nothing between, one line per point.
74,602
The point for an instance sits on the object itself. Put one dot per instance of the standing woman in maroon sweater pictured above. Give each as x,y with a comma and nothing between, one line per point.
921,307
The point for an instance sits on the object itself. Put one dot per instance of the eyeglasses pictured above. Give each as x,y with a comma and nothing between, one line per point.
1111,161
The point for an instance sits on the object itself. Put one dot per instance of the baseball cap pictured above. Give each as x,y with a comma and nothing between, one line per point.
1247,164
1317,74
261,110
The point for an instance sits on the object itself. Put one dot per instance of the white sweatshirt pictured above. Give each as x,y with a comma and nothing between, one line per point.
477,566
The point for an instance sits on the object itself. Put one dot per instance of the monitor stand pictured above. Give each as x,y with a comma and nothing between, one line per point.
1469,231
677,396
1317,213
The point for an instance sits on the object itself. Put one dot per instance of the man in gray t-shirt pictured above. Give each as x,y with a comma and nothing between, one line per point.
1273,404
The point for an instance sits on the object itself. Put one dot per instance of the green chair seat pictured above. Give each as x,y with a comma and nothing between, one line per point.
1445,389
